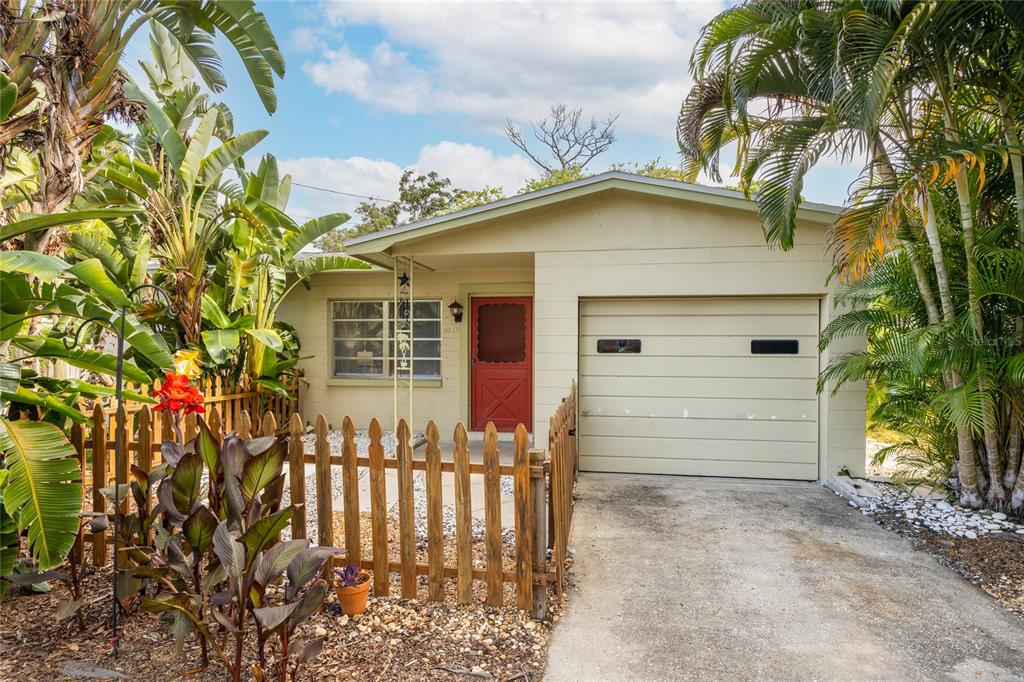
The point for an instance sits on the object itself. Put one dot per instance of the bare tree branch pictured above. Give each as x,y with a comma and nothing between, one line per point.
570,141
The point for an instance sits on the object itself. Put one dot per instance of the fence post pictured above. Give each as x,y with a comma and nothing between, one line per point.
540,527
297,476
524,520
324,500
463,517
492,515
268,427
145,456
406,519
350,490
78,441
378,512
435,536
245,425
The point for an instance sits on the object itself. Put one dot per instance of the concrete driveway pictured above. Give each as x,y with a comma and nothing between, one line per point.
722,579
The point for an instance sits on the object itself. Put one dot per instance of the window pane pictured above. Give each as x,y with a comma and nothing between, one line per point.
358,310
421,349
427,330
351,348
426,349
424,369
426,309
501,332
430,329
359,330
359,367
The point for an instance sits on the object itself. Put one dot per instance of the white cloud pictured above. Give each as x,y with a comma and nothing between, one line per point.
355,175
495,60
473,167
469,167
306,39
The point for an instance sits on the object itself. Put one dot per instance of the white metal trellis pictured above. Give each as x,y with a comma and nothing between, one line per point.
402,357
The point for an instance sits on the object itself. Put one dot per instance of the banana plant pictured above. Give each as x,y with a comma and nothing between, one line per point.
179,185
41,493
35,287
65,76
263,263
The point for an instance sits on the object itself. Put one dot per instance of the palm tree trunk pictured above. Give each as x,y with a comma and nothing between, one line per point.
1017,497
923,285
967,455
931,231
996,495
1013,451
1016,164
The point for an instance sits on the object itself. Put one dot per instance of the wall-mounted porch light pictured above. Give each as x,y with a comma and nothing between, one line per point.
456,310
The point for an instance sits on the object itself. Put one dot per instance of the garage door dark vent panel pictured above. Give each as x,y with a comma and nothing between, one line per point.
618,345
775,347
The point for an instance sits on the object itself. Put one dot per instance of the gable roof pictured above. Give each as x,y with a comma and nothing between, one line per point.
376,242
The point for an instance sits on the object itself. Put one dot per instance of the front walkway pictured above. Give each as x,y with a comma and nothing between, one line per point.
722,579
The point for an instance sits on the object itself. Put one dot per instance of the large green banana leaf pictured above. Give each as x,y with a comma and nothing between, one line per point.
91,360
8,537
42,492
41,222
37,265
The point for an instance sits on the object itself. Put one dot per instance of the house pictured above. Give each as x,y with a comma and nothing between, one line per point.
695,345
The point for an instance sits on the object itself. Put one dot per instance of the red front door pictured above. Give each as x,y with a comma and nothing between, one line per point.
501,376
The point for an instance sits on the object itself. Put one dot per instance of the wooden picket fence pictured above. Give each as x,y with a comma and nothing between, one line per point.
563,465
230,399
542,488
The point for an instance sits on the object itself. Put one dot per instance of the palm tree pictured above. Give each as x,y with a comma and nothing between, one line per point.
63,60
898,83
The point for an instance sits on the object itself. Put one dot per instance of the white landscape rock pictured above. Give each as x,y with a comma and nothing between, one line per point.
856,491
937,515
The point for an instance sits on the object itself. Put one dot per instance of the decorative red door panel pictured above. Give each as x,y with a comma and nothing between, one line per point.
501,358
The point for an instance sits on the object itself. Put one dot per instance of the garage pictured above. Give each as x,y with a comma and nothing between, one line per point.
700,386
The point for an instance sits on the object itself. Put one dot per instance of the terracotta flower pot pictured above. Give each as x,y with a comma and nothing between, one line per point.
353,599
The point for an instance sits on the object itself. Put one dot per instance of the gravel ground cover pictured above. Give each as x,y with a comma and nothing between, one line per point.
938,516
419,489
986,548
334,438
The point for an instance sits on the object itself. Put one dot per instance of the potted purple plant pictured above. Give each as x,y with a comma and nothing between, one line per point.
353,589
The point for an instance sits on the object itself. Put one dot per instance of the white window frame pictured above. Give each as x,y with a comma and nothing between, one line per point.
385,338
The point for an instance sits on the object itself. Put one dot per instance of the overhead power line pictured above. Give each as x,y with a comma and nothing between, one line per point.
345,194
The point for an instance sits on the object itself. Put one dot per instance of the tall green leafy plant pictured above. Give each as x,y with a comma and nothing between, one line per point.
65,77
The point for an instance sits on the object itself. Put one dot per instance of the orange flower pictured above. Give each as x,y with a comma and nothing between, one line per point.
178,396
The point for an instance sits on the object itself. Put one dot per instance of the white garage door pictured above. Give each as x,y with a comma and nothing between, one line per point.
697,399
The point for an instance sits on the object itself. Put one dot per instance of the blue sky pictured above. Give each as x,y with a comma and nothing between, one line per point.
372,88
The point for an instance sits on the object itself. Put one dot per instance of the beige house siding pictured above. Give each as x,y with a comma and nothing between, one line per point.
625,244
308,311
615,238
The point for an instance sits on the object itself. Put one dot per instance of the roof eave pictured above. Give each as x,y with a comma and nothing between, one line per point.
381,242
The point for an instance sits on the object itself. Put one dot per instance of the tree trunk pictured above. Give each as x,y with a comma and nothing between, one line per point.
996,496
1013,452
923,285
1016,164
1017,498
931,231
